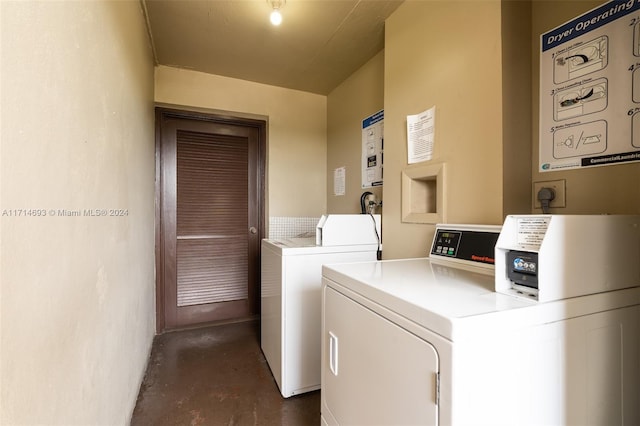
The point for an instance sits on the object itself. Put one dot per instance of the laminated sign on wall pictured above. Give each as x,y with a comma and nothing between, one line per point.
372,148
590,89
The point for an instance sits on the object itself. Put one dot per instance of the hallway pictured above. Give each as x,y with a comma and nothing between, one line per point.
216,376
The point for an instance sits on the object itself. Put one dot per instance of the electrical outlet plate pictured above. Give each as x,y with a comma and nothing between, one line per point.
558,186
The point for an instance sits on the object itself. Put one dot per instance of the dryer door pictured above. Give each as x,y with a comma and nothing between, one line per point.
373,371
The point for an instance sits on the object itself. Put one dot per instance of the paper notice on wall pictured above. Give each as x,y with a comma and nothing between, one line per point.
339,177
420,135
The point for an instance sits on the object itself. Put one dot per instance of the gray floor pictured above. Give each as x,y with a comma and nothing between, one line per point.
217,376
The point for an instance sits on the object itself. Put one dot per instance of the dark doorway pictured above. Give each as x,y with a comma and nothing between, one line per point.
210,217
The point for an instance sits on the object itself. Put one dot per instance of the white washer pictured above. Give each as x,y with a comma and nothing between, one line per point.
290,310
429,341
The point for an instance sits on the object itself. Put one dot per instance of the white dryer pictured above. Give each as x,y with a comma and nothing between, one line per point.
291,297
429,342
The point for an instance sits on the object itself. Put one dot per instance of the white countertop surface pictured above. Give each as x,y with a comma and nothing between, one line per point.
456,303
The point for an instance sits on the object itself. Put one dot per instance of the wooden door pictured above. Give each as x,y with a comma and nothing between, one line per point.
210,217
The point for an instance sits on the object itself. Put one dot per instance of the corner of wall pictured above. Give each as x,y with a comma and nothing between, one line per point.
77,303
516,110
358,97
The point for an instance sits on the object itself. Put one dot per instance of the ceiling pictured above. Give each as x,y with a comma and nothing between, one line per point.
318,45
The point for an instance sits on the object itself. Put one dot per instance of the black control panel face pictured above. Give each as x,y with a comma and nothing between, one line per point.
476,246
522,268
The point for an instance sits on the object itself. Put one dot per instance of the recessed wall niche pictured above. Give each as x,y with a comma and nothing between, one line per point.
423,198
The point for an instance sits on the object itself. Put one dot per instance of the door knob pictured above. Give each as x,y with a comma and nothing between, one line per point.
253,230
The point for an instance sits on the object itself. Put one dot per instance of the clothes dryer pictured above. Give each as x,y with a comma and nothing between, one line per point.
428,341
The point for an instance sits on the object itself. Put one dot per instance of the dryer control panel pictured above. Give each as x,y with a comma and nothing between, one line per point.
473,245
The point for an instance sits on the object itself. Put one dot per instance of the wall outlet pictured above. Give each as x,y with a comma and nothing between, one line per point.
558,186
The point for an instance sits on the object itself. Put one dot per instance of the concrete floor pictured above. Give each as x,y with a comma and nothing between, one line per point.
217,376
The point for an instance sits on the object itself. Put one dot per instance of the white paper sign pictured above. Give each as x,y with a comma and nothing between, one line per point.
339,176
420,135
531,231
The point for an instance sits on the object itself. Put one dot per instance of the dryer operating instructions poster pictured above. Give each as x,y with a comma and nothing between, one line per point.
590,89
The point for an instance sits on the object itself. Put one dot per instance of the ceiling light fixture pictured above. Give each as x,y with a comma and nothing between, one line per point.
276,5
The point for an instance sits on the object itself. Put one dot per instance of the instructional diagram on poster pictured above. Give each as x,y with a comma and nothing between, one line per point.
590,89
372,149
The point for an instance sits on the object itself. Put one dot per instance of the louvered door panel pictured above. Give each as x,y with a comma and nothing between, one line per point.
211,271
212,218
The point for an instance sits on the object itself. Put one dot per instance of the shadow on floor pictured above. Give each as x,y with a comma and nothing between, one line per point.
217,376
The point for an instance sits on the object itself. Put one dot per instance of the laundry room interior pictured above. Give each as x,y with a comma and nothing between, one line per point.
95,98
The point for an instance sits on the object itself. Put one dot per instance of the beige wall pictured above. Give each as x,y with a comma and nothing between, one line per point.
447,55
361,95
486,119
297,151
516,107
77,302
608,189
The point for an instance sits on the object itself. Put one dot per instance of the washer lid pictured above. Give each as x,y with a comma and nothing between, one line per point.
293,242
306,246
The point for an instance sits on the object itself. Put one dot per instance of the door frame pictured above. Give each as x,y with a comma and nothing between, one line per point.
161,113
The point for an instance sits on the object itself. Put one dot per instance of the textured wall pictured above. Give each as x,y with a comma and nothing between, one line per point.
447,55
77,302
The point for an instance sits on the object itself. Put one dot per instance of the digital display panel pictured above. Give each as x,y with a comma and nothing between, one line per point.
477,246
446,243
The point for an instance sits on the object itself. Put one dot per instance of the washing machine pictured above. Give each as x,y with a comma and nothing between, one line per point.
473,335
290,294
